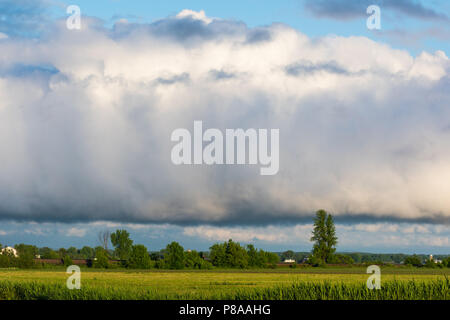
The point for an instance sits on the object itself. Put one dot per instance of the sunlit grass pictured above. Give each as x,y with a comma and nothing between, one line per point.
50,284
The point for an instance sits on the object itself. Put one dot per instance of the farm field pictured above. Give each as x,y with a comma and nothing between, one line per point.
307,283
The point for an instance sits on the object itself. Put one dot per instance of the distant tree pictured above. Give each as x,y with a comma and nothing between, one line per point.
62,253
237,256
47,253
330,237
324,237
72,252
103,238
139,258
431,264
446,262
67,261
27,254
175,256
87,252
218,254
122,242
413,260
7,259
288,255
230,254
255,259
101,258
194,260
341,259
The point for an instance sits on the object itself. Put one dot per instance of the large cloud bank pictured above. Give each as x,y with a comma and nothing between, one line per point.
86,118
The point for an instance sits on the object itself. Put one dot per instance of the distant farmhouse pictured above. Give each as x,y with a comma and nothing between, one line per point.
434,260
10,250
289,261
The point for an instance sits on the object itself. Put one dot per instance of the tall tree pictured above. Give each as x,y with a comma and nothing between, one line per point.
122,242
324,237
103,238
330,238
139,258
175,256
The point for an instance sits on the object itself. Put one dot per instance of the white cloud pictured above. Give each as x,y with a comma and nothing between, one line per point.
362,236
75,232
196,15
86,119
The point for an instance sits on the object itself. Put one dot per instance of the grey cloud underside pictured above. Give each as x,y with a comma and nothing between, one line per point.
86,120
351,9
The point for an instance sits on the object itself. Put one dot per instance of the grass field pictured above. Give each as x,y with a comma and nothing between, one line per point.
311,283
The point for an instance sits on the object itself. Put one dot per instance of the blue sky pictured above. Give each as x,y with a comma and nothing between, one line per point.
297,14
86,118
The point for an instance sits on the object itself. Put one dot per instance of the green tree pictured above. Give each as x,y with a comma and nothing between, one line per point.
255,259
413,260
72,252
194,260
27,254
87,252
330,238
7,259
139,258
67,261
324,237
122,242
174,258
62,253
101,258
47,253
218,255
288,255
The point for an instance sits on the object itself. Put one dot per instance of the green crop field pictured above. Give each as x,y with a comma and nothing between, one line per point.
309,283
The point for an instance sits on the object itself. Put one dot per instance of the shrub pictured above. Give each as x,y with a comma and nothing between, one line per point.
139,258
175,256
101,259
67,261
413,260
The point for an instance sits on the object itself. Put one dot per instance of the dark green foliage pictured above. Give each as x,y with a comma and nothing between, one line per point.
446,262
229,254
194,260
324,237
27,254
340,259
232,255
288,255
7,260
101,258
87,252
413,260
67,261
175,256
122,242
47,253
139,258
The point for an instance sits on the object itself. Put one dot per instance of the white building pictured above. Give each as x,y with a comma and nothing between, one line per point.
10,250
289,261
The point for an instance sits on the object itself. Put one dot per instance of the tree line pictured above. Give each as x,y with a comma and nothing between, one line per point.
125,254
229,254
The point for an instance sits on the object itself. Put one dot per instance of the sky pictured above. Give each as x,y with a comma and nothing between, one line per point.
86,118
